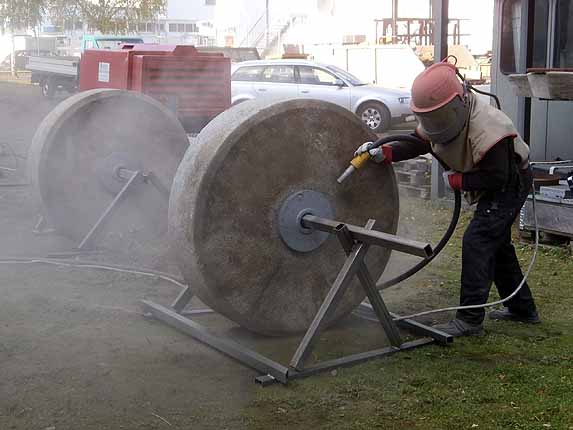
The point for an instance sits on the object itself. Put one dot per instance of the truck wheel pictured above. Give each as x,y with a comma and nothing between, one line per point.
375,115
48,87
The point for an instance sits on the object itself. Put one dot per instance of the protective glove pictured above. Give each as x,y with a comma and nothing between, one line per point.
453,180
379,155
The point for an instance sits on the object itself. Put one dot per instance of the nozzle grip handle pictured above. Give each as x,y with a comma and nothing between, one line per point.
359,161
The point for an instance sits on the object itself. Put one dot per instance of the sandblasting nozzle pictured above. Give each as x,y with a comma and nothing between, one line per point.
346,174
355,164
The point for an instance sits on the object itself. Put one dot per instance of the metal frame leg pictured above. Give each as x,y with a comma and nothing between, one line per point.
154,180
339,287
182,299
41,226
245,355
273,371
108,211
366,311
369,285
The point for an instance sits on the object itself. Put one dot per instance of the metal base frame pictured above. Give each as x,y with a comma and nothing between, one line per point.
132,179
272,371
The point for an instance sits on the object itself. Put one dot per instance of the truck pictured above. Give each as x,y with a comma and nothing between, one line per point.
53,73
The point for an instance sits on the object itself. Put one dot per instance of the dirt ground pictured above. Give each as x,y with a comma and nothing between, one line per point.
77,353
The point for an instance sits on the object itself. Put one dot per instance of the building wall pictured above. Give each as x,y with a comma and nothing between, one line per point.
551,126
197,10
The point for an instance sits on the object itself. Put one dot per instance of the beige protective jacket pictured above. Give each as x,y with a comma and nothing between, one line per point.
486,127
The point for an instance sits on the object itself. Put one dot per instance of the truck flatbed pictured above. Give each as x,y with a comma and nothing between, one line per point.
66,66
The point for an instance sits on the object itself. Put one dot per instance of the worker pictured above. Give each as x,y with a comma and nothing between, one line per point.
485,157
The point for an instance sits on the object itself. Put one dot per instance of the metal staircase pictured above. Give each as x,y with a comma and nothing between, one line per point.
257,36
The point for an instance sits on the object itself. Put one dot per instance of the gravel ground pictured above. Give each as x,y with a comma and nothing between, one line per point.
77,353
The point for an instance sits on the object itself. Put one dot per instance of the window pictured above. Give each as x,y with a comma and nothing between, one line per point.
181,28
510,36
141,27
191,28
210,2
251,74
162,27
564,34
172,28
540,27
279,74
347,76
150,27
313,76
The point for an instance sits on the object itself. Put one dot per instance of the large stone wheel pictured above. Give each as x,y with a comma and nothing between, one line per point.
253,164
75,156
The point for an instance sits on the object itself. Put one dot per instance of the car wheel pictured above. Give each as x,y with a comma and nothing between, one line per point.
48,87
375,115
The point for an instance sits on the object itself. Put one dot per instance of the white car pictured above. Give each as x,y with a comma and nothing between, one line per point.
377,107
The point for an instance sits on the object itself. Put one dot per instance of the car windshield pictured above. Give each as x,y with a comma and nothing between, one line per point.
347,76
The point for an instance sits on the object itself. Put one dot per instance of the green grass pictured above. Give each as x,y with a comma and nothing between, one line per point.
516,377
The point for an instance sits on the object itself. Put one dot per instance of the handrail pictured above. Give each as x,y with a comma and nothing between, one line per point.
251,29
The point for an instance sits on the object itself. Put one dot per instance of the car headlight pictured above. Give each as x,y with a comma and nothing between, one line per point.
404,100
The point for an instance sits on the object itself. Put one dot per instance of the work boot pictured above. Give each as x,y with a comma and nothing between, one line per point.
457,328
506,315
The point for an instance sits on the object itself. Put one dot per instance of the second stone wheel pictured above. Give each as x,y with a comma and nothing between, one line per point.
257,167
76,159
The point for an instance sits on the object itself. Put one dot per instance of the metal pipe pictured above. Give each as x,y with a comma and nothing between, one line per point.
377,304
351,360
105,215
440,34
371,237
335,294
222,344
366,312
124,173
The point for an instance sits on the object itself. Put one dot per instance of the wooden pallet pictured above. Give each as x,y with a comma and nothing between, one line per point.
421,192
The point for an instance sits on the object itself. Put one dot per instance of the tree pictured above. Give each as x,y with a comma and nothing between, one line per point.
21,14
109,16
16,15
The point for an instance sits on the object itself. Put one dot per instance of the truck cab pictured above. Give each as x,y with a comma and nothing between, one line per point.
108,42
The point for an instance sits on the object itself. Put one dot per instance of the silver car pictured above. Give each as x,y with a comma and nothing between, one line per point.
377,107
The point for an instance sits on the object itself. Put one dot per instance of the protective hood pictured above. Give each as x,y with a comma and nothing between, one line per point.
443,125
486,127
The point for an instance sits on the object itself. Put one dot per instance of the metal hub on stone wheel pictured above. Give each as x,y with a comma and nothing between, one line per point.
236,198
82,156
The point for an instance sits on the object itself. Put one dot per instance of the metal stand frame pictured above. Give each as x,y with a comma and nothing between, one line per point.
356,242
131,178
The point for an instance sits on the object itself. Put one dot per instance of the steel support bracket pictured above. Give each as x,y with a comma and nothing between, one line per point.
271,371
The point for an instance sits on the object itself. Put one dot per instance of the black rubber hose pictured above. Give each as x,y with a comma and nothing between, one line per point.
441,244
396,138
470,87
485,93
449,232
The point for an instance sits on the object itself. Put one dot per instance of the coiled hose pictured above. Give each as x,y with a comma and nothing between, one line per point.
449,232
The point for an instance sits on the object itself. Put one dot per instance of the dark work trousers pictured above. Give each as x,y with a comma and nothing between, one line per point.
489,256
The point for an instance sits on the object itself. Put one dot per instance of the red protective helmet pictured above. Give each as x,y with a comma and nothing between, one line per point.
435,87
439,102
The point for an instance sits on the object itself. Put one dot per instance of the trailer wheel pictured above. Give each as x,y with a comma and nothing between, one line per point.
48,87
